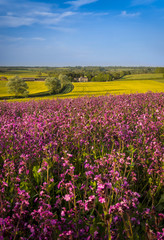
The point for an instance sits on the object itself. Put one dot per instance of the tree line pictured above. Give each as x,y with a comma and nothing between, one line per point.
98,75
19,87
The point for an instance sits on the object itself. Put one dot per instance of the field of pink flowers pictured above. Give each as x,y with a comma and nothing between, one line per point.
85,168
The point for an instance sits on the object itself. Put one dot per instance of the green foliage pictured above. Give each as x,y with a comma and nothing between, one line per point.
67,88
160,205
58,84
36,174
116,75
108,76
102,77
64,79
159,70
17,86
53,84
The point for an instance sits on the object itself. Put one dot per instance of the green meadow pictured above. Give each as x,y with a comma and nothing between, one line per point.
136,83
155,76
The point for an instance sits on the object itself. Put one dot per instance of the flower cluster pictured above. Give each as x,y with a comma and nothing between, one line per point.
85,168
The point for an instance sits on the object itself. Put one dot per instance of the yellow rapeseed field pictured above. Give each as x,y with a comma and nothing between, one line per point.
138,83
115,87
34,87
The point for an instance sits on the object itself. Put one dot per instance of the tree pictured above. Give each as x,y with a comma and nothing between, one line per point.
116,75
53,84
17,86
102,77
64,79
122,74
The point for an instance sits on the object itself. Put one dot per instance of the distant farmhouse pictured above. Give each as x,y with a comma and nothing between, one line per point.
81,79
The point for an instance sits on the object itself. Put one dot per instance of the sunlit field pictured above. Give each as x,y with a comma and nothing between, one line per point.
34,87
20,74
155,76
115,87
137,83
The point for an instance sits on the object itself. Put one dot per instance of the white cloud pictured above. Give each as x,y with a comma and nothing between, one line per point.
95,14
23,6
142,2
57,18
14,21
4,38
125,14
25,13
44,18
79,3
43,14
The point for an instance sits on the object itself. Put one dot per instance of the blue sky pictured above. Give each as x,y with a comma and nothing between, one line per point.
82,32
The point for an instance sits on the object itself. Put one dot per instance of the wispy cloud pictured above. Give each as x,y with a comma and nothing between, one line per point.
23,6
16,13
27,13
43,14
142,2
79,3
44,18
125,14
15,21
94,14
57,18
4,38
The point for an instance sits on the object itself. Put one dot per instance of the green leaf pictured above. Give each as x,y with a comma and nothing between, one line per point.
36,175
24,186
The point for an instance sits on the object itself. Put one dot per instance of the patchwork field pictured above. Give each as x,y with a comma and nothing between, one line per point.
140,83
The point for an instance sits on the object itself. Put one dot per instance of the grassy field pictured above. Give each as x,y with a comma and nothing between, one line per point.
140,83
156,77
146,76
22,74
